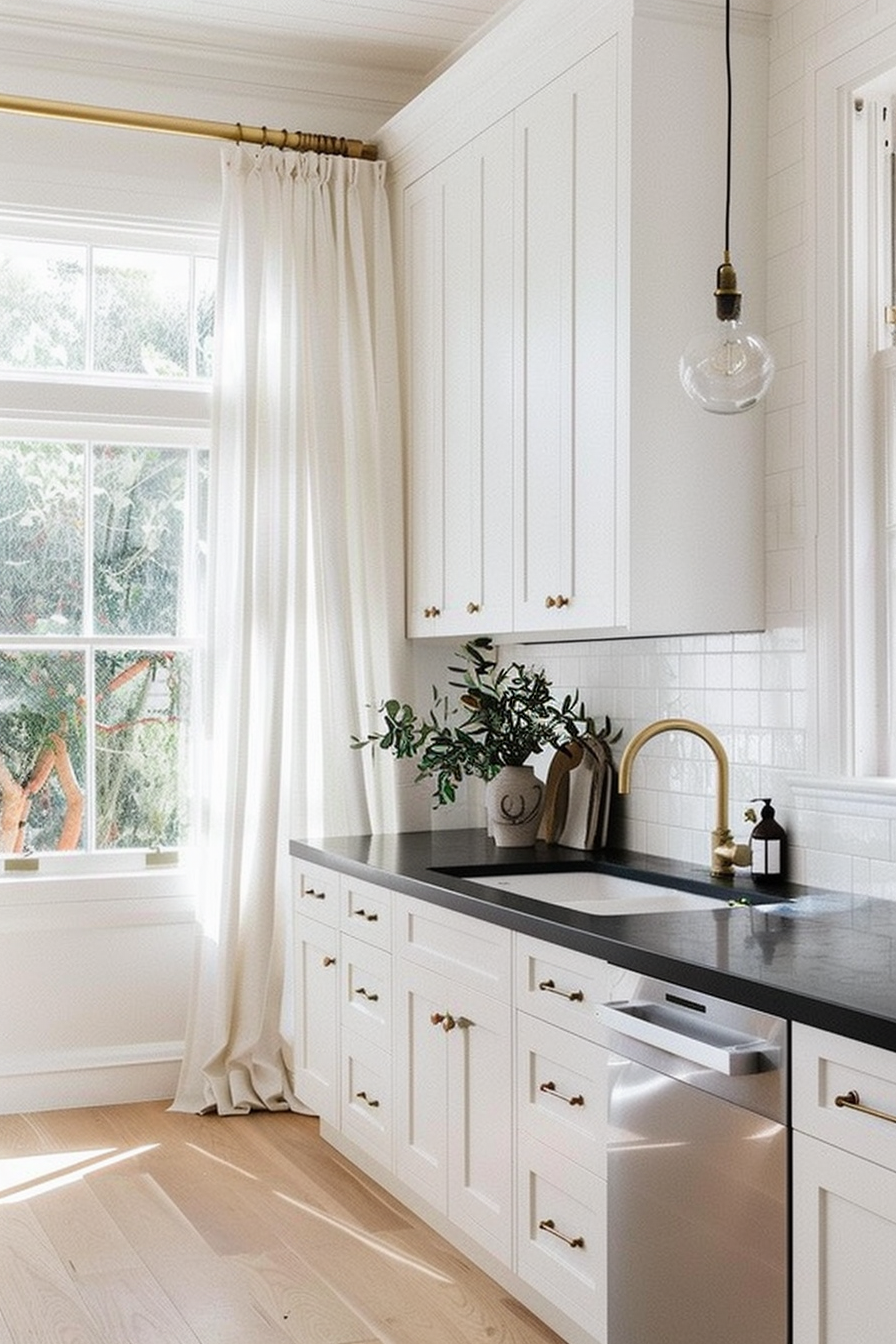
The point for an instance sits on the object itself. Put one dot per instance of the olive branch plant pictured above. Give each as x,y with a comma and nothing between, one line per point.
501,716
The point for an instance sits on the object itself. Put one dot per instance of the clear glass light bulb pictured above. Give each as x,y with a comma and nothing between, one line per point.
728,369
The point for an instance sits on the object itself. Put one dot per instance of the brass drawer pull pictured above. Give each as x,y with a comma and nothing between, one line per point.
574,995
368,1101
558,601
472,608
430,612
551,1089
367,994
853,1102
370,915
315,895
547,1225
328,961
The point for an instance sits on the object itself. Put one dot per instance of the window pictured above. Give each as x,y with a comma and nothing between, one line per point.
105,360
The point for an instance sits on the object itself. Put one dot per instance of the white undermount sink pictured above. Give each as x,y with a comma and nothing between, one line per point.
600,893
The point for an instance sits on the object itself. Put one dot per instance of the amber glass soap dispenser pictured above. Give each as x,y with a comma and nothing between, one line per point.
768,845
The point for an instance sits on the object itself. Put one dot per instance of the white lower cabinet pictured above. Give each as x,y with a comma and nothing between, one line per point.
454,1126
561,1168
458,1063
316,977
562,1249
844,1189
367,1097
366,1022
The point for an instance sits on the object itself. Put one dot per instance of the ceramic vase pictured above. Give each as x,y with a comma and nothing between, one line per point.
514,801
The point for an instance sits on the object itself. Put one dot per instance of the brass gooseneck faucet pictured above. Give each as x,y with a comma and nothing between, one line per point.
723,851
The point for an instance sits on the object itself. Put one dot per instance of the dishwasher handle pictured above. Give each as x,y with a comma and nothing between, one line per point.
680,1032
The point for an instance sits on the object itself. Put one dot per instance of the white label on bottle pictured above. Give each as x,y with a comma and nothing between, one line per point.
766,857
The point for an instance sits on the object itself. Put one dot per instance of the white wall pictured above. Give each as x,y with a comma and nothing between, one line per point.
95,974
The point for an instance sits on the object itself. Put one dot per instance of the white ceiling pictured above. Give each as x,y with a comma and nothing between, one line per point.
411,38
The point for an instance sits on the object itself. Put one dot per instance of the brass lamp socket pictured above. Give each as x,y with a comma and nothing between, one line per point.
727,294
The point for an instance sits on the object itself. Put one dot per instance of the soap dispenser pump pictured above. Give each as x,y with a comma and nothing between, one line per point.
768,845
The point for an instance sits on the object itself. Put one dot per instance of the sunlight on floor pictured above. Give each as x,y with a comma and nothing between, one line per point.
348,1229
25,1177
374,1244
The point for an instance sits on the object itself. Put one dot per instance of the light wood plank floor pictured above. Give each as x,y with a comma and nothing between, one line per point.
133,1225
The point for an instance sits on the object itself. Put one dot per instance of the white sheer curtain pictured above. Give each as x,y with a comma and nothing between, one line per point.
304,584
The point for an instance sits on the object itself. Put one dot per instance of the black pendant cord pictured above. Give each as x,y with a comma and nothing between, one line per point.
728,141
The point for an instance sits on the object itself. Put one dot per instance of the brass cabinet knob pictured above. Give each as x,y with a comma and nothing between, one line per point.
558,601
430,612
472,608
443,1020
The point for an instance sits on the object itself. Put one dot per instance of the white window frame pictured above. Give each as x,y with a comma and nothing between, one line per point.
114,408
854,654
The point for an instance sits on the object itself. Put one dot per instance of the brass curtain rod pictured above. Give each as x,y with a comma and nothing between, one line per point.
306,141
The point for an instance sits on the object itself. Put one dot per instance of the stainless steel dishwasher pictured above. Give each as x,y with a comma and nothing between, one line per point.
697,1170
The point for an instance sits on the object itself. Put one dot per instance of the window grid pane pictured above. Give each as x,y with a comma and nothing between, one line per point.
42,699
43,298
42,507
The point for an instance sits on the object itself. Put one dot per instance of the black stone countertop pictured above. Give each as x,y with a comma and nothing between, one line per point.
824,958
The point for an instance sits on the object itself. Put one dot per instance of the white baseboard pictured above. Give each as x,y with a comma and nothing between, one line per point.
96,1076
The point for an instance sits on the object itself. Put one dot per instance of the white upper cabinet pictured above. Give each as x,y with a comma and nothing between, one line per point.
560,196
458,240
566,548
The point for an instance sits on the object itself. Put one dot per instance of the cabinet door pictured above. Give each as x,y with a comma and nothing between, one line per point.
844,1246
316,1055
458,270
454,1104
480,1133
421,1104
568,534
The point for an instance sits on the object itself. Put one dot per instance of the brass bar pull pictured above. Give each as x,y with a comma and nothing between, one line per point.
574,995
443,1020
853,1102
551,1089
315,895
547,1225
329,961
370,916
369,1101
367,994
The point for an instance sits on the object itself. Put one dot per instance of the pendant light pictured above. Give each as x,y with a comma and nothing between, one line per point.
730,368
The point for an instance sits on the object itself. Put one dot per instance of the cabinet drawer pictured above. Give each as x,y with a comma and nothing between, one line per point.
366,911
367,1109
366,990
827,1067
316,892
562,1234
562,1092
468,951
560,985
